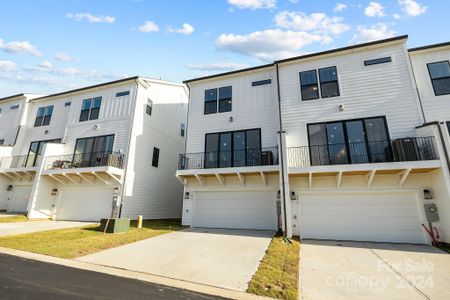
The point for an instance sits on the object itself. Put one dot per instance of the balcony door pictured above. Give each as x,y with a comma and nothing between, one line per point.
35,152
349,142
93,151
233,149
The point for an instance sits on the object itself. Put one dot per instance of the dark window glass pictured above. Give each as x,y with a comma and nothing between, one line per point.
95,109
48,115
2,141
85,108
225,99
149,107
211,150
318,144
68,103
39,117
329,86
211,101
440,77
121,94
93,151
15,106
183,129
239,148
448,127
261,82
253,147
377,61
225,150
357,146
155,159
336,143
378,139
35,152
309,86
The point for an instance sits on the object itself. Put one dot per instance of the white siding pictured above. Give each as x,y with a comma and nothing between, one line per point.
10,119
252,107
436,108
149,191
366,91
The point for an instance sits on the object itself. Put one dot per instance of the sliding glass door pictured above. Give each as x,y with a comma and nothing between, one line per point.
233,149
35,152
93,151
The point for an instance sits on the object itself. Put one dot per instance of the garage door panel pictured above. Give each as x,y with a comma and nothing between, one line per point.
235,210
381,217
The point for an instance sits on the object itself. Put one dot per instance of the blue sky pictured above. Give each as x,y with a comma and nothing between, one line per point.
48,46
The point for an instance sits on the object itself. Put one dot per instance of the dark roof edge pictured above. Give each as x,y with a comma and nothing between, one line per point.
12,96
87,88
229,73
429,46
397,38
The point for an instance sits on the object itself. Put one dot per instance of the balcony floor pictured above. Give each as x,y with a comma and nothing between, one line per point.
92,175
21,173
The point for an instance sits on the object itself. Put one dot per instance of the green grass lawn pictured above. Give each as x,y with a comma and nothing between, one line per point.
18,218
277,275
76,242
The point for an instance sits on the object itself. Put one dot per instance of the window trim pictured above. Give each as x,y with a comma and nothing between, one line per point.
149,107
378,61
218,100
122,94
431,78
337,82
232,145
40,142
94,137
155,161
46,109
262,82
91,107
308,85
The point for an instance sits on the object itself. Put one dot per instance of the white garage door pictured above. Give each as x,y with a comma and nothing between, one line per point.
378,217
235,210
20,198
90,204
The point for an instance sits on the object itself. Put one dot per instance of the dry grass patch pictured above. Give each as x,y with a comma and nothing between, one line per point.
80,241
277,275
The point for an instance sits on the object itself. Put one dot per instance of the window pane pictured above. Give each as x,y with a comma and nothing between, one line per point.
253,148
318,144
41,112
149,107
239,149
308,77
155,159
38,121
225,93
211,95
48,115
441,86
211,150
439,70
84,116
94,114
310,92
225,105
336,143
97,102
356,142
86,104
377,137
210,107
328,74
329,89
225,150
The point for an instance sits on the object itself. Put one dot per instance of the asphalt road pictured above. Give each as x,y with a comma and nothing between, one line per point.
28,279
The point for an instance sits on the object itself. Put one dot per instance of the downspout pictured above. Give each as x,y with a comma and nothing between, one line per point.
128,150
410,67
283,180
441,136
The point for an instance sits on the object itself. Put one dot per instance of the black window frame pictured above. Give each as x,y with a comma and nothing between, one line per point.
15,106
46,117
90,157
336,81
232,158
343,122
229,107
218,107
302,86
38,147
216,91
183,130
440,78
155,157
122,94
378,61
261,82
149,107
2,142
93,113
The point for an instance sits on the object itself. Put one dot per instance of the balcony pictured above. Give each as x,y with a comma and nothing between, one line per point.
89,168
20,167
401,156
237,162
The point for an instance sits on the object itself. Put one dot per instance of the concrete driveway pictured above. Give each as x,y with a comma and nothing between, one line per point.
35,226
351,270
216,257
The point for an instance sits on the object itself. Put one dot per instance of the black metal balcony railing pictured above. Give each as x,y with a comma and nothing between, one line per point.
22,161
229,159
85,160
404,149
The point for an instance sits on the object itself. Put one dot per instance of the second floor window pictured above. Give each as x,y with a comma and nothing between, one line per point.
218,100
155,158
328,79
183,129
90,109
2,141
440,77
44,116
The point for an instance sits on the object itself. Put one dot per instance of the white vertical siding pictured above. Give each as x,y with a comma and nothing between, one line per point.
10,119
252,107
154,192
365,91
436,108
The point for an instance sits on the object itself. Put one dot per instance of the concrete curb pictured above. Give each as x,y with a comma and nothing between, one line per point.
200,288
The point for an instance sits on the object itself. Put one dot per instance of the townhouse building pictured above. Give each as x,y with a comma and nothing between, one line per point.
80,148
331,145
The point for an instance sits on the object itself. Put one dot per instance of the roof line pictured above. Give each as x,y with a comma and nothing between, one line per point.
229,73
429,46
87,88
397,38
12,96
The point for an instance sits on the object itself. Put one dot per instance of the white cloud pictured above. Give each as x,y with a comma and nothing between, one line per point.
397,16
340,7
374,9
253,4
267,45
412,8
371,33
220,66
186,29
19,47
68,71
91,18
61,56
316,22
7,66
148,26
